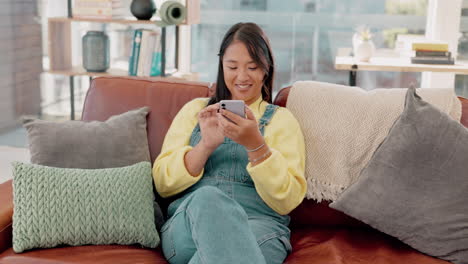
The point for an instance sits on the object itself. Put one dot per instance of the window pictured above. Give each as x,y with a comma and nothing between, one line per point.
461,81
305,35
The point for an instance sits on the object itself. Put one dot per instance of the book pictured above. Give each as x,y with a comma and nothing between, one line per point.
416,60
156,64
135,53
146,52
154,38
156,60
422,53
435,58
143,52
430,46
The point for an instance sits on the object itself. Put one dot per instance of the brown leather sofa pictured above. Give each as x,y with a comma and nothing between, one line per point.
319,233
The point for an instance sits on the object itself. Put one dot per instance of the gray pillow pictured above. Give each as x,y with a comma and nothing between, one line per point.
415,187
119,141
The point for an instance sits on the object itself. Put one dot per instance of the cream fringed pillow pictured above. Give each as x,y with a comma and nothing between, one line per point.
344,125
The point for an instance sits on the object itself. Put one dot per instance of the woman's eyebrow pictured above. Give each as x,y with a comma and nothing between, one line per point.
234,61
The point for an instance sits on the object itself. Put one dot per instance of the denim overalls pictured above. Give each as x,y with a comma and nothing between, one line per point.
221,218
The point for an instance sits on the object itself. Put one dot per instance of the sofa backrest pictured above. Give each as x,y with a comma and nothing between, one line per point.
282,98
109,96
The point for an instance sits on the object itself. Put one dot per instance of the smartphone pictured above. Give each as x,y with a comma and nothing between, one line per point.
235,106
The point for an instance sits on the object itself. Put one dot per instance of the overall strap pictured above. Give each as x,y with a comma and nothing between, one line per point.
266,118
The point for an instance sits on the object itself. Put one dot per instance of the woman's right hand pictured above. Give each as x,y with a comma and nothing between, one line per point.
211,132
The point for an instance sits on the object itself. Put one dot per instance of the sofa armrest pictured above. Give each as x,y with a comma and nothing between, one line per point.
6,214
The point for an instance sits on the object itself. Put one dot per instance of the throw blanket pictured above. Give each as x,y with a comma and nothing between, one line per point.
344,125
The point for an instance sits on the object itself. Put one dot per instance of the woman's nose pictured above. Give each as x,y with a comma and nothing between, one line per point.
242,75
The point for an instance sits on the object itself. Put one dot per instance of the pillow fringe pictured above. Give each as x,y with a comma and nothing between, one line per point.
322,191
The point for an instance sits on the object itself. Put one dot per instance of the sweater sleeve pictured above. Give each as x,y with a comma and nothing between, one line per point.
169,172
279,180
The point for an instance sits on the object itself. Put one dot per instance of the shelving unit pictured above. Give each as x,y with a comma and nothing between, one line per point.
80,71
60,45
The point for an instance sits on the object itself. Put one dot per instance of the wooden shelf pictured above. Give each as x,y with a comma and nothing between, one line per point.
193,17
79,71
95,20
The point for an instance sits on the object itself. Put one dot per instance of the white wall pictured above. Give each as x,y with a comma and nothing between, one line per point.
443,23
20,60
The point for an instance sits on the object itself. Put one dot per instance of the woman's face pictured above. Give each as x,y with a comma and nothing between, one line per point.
243,77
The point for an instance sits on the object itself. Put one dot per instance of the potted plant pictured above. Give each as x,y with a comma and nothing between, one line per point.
363,46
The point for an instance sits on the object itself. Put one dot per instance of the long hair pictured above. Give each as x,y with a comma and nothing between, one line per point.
259,49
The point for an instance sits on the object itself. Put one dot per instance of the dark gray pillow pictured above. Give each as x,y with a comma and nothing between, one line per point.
415,187
119,141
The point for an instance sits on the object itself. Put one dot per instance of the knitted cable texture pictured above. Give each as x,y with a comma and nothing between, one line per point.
57,206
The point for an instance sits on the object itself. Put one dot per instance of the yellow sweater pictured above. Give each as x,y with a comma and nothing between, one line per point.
279,180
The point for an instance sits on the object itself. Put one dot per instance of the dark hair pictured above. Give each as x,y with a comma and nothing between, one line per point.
259,49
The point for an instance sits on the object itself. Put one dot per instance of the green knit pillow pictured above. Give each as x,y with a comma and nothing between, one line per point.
58,206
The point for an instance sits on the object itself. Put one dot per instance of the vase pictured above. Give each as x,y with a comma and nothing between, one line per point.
172,12
143,9
356,41
364,50
95,51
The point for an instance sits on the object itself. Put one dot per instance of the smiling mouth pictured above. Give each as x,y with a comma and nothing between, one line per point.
243,87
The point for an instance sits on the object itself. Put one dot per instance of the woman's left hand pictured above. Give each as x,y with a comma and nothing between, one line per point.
243,131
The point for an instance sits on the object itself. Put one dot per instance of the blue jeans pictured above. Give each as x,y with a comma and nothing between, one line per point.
211,227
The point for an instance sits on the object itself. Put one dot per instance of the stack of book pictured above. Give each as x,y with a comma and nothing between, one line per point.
98,9
145,56
432,53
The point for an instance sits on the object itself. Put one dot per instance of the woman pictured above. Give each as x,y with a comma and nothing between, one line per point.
237,180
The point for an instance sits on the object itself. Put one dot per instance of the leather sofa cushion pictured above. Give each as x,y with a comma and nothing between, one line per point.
85,255
351,246
311,246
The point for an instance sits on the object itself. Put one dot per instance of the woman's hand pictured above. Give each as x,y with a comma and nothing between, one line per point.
243,131
211,133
